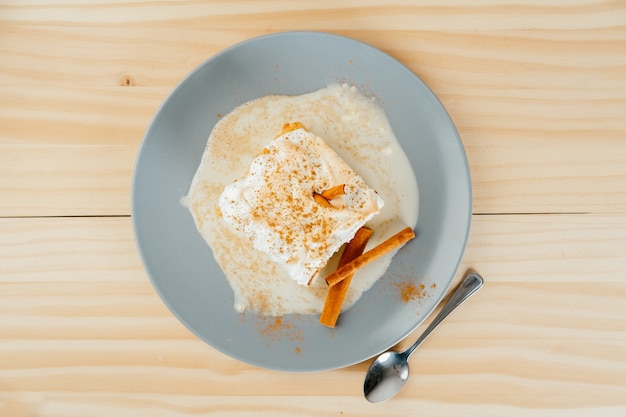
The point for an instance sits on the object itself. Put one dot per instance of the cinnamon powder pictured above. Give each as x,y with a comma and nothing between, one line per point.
275,328
410,291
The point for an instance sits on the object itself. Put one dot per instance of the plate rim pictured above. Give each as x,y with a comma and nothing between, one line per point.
166,101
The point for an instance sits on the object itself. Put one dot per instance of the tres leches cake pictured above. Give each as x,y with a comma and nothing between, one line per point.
276,246
299,202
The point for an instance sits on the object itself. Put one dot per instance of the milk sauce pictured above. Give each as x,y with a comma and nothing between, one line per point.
356,127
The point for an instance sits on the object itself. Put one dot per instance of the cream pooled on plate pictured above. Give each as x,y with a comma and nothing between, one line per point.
353,125
275,206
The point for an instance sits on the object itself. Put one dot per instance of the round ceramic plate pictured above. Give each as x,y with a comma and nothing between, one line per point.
179,262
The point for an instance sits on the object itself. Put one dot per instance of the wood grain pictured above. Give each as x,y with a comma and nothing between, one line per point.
83,333
537,91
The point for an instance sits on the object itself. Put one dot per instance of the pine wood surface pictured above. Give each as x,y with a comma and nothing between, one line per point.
537,91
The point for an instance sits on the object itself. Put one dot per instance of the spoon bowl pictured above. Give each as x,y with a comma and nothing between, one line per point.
390,371
387,374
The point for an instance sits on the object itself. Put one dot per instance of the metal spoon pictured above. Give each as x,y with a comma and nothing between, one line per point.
390,371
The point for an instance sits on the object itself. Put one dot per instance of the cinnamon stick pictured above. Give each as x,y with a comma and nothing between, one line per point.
334,192
321,200
387,246
337,293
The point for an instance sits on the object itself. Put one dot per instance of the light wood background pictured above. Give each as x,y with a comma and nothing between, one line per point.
537,90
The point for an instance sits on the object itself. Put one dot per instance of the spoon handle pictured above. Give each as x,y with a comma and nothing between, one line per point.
471,283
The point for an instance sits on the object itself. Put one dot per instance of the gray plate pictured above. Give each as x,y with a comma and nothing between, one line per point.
181,265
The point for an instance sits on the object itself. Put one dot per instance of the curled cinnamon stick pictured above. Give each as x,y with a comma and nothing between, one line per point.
387,246
321,200
334,192
337,293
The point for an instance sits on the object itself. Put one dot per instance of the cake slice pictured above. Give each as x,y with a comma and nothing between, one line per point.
299,202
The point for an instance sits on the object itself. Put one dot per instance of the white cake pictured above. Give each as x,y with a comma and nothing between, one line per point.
275,205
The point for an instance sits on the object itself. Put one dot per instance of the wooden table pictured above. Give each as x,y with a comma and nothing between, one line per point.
538,93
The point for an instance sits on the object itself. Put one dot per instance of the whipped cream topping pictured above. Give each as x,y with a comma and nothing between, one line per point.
355,126
273,204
